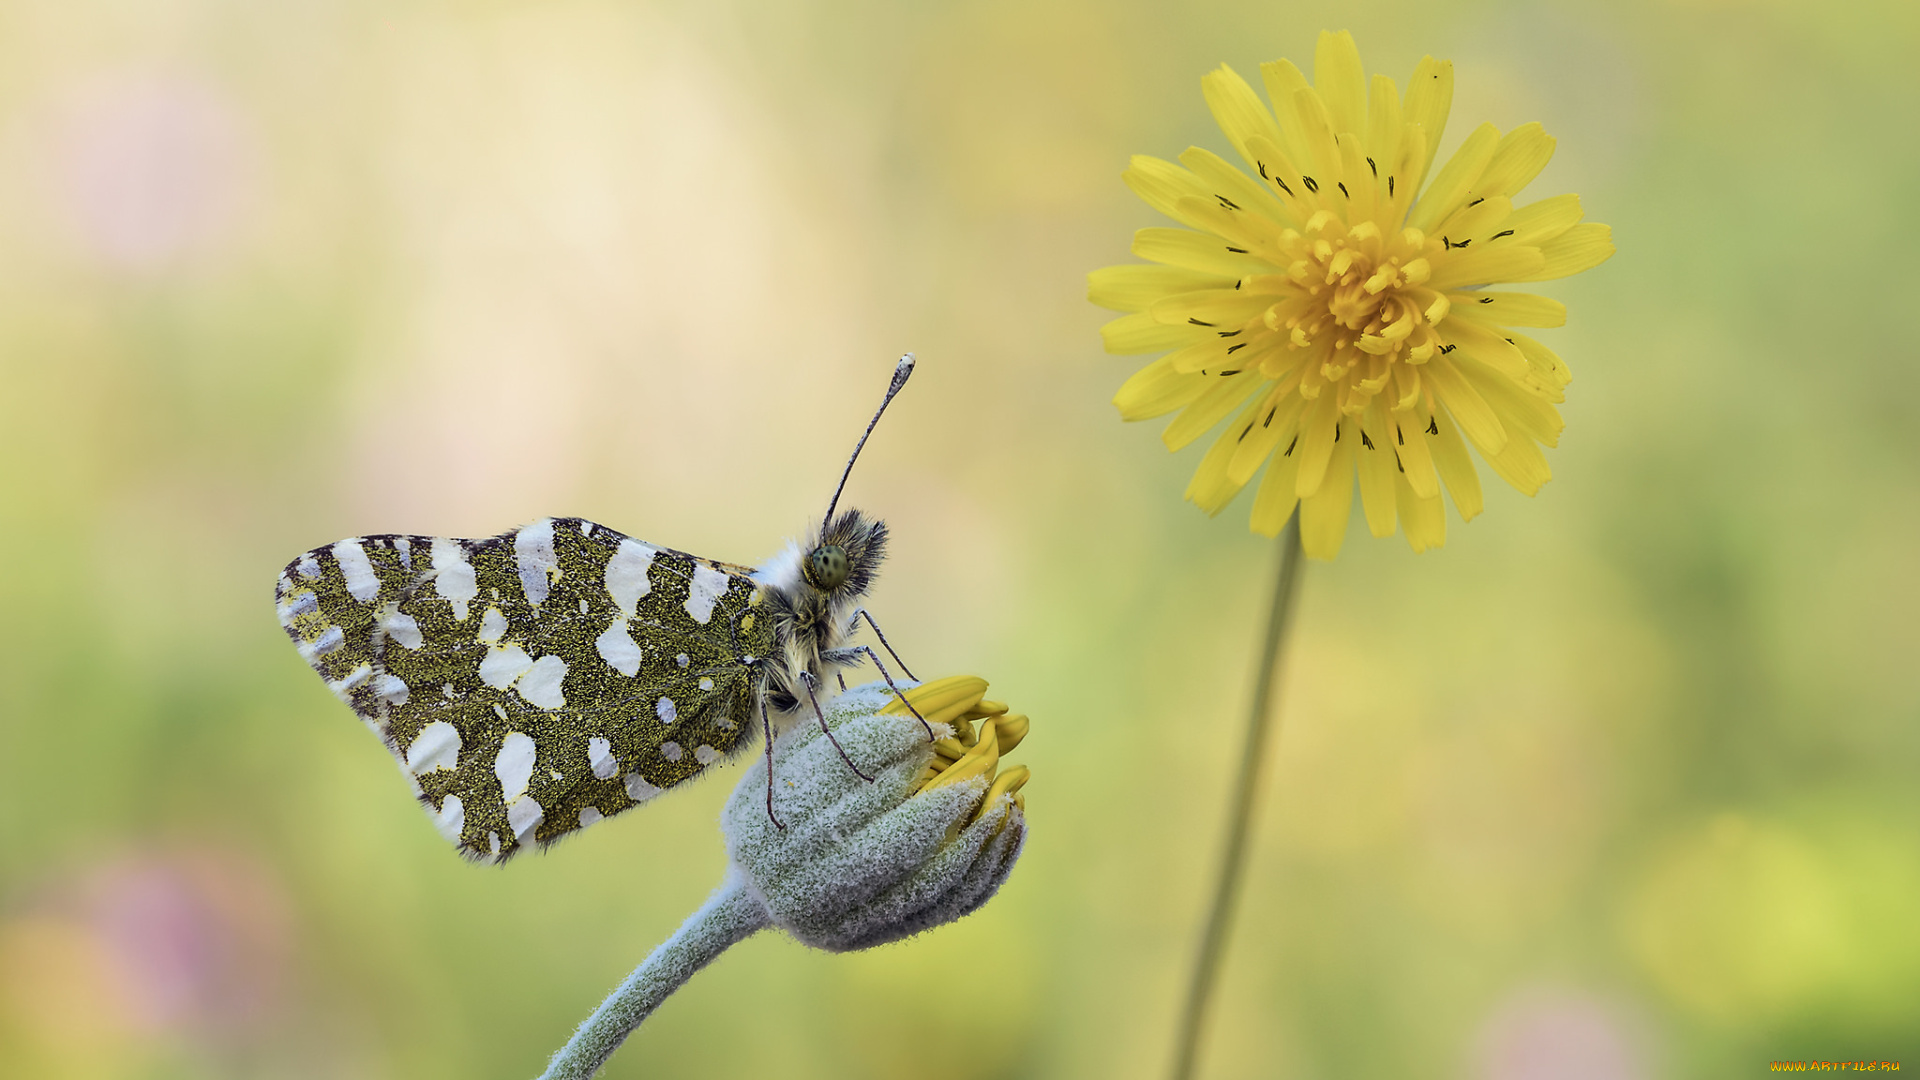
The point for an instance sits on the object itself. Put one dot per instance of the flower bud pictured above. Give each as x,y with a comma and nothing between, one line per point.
853,864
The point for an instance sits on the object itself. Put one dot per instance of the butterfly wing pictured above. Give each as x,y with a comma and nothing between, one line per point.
535,682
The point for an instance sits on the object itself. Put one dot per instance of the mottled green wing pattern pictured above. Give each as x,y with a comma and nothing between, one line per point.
535,682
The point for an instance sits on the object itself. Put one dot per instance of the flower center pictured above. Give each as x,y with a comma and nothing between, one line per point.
1352,309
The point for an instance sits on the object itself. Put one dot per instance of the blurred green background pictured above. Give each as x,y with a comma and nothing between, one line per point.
1618,784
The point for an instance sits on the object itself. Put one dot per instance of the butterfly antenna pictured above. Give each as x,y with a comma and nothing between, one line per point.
900,372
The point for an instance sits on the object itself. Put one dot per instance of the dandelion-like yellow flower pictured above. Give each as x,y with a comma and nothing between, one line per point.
1346,321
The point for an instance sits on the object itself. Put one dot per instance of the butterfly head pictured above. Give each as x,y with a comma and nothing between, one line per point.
841,559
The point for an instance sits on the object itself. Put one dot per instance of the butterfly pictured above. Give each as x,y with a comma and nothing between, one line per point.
533,683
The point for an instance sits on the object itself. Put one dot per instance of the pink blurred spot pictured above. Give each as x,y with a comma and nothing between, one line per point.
1556,1035
149,168
194,942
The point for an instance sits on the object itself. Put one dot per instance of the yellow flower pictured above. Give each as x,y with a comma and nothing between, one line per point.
982,731
1345,320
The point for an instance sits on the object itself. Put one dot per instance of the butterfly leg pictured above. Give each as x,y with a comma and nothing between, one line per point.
851,654
883,644
806,680
766,732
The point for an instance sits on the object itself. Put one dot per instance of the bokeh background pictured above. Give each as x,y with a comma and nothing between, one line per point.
1618,784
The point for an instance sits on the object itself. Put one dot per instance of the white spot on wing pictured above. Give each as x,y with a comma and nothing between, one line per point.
330,639
451,819
665,711
493,844
388,688
618,649
600,757
706,684
356,570
541,684
353,680
705,755
305,603
453,576
671,751
589,815
502,666
525,815
627,574
436,747
533,547
493,627
309,568
514,765
638,789
708,586
401,628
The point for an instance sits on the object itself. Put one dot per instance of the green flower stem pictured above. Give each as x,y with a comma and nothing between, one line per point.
732,914
1233,861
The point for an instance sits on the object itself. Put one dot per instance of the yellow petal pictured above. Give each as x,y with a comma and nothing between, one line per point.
1375,462
1276,421
1162,185
1521,464
1383,125
1237,109
1156,390
1538,222
1305,117
1323,515
1429,98
1519,411
1423,519
1476,220
1413,150
979,761
1485,265
1277,168
1316,445
1214,258
1006,783
1486,345
1009,730
1582,247
1210,352
1341,80
1211,489
1522,153
1547,374
1456,179
1283,80
1273,503
1416,459
1222,396
1230,183
1477,419
1134,287
1217,309
1510,309
1455,466
1359,184
941,700
1143,333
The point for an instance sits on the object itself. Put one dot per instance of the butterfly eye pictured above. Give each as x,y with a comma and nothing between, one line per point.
827,567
